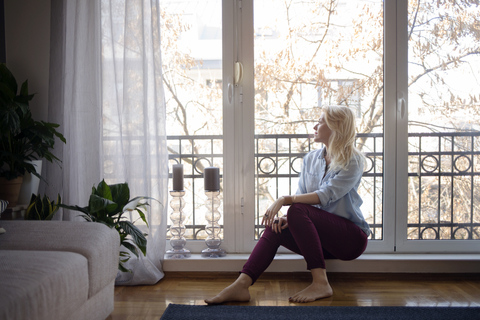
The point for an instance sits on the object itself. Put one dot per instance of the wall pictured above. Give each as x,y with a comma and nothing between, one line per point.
27,40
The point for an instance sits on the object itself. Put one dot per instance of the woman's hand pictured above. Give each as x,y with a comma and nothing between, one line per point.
271,213
280,224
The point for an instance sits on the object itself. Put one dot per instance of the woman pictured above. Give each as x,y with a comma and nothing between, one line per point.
324,220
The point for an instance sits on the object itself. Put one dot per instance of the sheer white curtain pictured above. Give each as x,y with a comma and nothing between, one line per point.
106,93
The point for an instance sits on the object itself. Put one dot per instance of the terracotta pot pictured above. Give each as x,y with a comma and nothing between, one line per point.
9,190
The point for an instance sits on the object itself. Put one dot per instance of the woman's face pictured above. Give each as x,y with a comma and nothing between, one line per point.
322,131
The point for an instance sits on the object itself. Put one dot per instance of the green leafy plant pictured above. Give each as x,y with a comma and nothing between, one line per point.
42,208
107,205
22,139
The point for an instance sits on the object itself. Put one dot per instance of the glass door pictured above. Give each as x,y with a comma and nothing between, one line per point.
440,209
307,55
193,50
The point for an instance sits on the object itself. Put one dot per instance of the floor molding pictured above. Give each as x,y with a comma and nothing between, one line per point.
367,263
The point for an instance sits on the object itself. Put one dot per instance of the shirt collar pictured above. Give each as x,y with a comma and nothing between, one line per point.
323,153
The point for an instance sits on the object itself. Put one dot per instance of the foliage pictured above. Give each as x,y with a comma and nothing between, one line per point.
22,139
108,204
321,42
42,208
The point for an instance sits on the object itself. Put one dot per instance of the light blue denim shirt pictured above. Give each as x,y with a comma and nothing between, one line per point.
337,190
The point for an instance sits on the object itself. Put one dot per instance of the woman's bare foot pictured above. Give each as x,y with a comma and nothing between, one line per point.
320,288
313,292
237,291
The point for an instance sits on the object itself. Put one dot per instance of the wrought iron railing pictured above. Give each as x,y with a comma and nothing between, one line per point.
282,153
278,161
444,181
195,153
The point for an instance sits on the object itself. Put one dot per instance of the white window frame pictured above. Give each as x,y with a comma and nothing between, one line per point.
247,127
239,129
403,245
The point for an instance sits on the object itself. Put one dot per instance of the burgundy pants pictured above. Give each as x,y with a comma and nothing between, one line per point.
313,233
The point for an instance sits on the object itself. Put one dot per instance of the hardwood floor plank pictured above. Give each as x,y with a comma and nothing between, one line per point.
274,289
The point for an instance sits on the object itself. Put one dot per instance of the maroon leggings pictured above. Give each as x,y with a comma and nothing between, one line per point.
313,233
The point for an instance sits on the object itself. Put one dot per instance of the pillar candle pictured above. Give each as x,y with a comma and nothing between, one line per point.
211,177
177,177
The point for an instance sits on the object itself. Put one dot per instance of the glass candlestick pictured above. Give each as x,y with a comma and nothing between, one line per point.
177,229
212,228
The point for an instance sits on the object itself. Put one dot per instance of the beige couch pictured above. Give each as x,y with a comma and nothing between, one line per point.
57,270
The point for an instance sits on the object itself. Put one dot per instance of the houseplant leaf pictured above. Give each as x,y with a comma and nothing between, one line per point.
22,139
137,236
107,204
130,247
120,194
41,208
103,190
6,77
133,204
98,203
77,208
142,215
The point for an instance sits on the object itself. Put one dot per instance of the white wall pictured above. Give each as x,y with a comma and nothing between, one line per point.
27,41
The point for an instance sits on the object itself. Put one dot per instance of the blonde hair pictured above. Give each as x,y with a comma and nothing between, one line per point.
341,145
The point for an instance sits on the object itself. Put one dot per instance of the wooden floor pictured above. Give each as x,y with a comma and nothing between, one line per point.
273,289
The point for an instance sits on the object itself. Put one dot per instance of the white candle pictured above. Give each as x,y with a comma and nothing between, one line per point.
177,177
211,177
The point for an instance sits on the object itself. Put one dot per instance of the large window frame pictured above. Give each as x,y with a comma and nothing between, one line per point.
239,153
402,243
395,138
246,122
244,127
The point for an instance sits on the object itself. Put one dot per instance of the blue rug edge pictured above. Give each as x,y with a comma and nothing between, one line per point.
349,309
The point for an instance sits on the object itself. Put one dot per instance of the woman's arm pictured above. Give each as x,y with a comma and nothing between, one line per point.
307,198
271,213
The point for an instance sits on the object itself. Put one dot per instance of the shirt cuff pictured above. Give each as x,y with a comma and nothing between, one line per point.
323,197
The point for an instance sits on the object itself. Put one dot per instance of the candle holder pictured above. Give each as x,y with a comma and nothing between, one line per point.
212,228
177,229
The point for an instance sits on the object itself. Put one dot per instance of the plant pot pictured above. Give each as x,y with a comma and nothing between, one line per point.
30,184
10,190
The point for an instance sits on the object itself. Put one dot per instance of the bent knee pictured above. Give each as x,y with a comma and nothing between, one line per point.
268,232
296,210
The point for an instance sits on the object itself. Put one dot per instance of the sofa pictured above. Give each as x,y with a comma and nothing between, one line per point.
57,270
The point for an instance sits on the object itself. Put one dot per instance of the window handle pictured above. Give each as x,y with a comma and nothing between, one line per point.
238,72
230,90
401,105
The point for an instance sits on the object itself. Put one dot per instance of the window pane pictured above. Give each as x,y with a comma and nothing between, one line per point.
444,119
192,70
310,54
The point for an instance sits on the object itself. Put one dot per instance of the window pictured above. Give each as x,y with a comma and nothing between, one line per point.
315,55
409,73
442,207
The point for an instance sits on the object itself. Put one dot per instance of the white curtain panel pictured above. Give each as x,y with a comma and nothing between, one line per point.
106,92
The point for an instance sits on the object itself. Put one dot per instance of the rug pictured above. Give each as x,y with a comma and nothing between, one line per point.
187,312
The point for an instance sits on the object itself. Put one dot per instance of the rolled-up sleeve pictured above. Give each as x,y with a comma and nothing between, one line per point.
341,183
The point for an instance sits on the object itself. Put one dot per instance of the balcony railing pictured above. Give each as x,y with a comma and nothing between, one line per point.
444,201
278,160
438,164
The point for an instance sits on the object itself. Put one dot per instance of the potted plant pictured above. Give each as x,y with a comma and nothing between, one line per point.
107,205
42,208
22,139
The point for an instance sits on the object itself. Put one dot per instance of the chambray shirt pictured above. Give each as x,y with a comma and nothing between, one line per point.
337,191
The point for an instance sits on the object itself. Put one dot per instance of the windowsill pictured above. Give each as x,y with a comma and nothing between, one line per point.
371,262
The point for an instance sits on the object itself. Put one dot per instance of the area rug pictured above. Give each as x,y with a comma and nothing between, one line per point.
187,312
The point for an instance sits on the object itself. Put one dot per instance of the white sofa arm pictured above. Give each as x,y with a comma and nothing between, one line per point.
95,241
